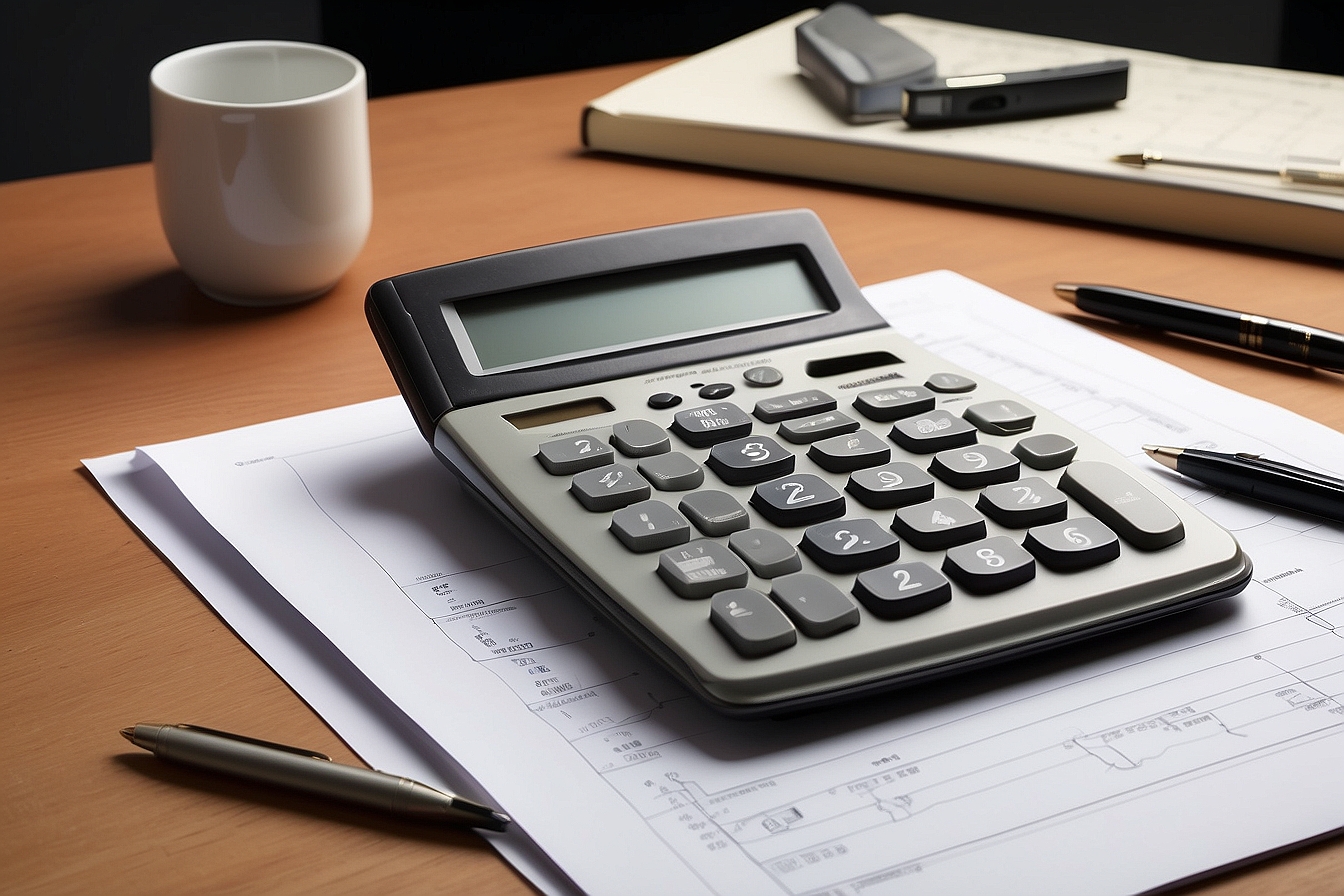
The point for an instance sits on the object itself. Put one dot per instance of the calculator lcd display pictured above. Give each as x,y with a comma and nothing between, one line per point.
631,309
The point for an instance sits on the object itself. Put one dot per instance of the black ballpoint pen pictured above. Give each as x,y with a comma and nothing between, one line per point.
1262,335
1254,477
315,773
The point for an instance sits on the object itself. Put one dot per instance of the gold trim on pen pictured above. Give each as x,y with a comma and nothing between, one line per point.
1252,333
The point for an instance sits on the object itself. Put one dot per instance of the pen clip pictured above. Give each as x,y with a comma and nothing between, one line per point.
311,754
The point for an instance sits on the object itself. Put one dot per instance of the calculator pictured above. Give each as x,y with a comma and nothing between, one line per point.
708,432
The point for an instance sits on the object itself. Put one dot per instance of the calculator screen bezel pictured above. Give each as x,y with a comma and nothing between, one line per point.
421,296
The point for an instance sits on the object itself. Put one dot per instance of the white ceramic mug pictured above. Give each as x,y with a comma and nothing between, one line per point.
261,163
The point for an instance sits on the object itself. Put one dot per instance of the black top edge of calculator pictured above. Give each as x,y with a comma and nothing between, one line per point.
416,321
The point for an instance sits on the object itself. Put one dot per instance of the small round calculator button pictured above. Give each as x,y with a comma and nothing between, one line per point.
663,400
717,390
763,376
949,382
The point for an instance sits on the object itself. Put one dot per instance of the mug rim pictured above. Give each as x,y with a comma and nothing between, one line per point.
159,72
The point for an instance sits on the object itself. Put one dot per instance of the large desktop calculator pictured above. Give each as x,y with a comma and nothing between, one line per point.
710,434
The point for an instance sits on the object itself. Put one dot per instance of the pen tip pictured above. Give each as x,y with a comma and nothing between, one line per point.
1137,159
1067,291
1164,455
129,734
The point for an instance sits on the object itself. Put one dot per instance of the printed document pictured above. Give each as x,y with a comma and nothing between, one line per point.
1115,766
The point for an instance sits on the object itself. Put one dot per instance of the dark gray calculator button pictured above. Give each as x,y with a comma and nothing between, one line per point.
974,467
662,400
843,454
574,453
902,589
672,472
894,402
650,526
763,376
995,564
713,423
715,513
700,568
933,432
850,545
938,524
820,426
1046,451
751,622
1026,502
1117,499
767,552
716,390
750,460
890,485
609,487
815,605
797,404
640,438
1073,544
1000,418
950,382
798,500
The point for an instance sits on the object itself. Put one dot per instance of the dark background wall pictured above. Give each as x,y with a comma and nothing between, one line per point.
73,73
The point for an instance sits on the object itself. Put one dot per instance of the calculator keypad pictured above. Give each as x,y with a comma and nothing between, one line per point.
751,561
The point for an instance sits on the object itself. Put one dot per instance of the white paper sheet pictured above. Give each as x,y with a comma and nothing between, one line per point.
1113,767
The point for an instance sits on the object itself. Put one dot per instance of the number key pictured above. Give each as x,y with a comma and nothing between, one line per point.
849,545
975,467
573,454
1073,544
993,564
750,460
890,485
798,500
1026,502
902,589
609,487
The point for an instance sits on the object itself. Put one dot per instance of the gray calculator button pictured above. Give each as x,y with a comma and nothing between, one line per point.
815,605
750,460
1046,451
854,451
672,472
716,390
768,553
975,466
932,432
650,526
797,404
751,622
890,485
819,426
1073,544
938,524
715,513
902,589
950,382
763,376
662,400
894,402
850,545
640,438
798,500
713,423
609,487
1026,502
1000,418
1113,496
574,453
994,564
700,568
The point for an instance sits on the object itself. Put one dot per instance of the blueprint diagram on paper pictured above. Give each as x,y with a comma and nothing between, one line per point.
1087,770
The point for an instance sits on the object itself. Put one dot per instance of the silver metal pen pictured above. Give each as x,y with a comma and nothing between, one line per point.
314,773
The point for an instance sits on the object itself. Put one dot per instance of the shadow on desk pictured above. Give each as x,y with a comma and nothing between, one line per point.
170,300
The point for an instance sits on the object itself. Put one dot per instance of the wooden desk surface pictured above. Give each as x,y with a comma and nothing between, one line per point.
104,345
